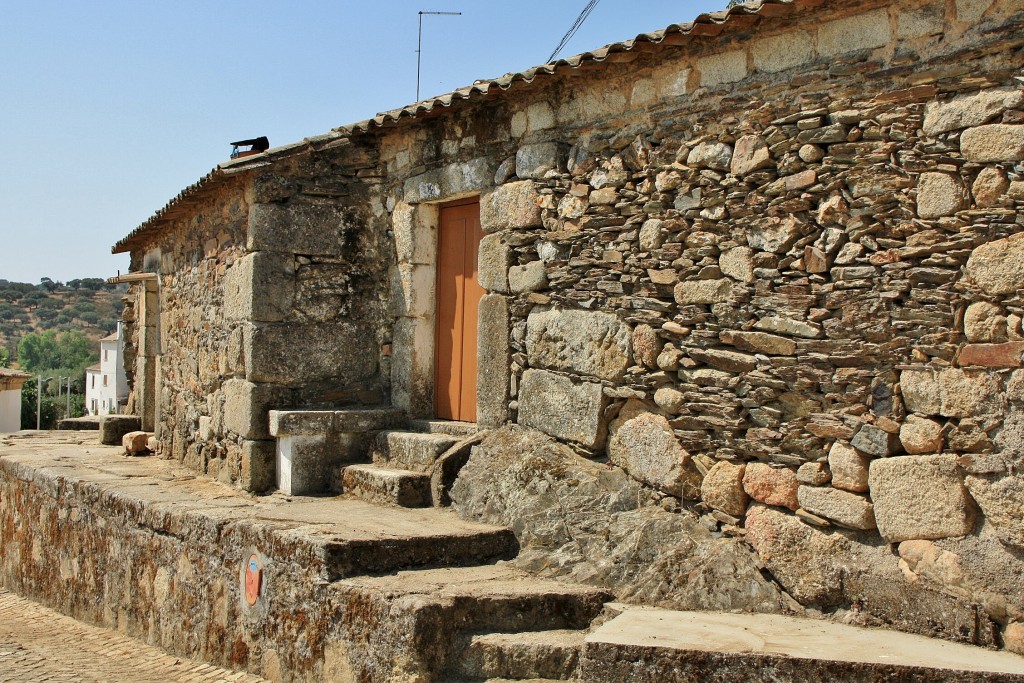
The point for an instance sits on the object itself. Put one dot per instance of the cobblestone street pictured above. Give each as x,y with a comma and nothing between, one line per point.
38,644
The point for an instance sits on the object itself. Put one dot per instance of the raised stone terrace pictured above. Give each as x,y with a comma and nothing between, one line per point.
342,589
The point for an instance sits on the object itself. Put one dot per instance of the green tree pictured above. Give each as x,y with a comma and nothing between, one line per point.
50,285
5,358
84,306
46,351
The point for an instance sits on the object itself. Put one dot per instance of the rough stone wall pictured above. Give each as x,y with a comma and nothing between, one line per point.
269,297
776,275
193,340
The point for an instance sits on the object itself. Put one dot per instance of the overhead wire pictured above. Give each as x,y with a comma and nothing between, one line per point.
574,28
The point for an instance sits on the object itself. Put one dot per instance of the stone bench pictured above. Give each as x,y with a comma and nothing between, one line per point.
312,445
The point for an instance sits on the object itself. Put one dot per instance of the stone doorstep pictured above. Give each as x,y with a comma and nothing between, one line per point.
536,655
314,422
760,647
409,450
387,485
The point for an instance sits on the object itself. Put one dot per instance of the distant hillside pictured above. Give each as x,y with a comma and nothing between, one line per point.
89,305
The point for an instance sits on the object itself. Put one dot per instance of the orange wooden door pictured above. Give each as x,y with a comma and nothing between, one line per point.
458,294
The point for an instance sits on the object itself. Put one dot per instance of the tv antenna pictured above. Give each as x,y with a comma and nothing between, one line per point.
419,44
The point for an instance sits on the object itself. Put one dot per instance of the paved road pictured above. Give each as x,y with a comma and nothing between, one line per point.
38,644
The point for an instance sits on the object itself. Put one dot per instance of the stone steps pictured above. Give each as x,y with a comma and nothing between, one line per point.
400,542
449,427
387,485
394,592
530,655
314,448
409,450
400,468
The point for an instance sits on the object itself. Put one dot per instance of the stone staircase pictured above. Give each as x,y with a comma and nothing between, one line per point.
501,624
405,593
402,463
425,583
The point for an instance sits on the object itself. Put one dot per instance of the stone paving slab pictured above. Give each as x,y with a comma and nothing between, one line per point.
755,647
38,644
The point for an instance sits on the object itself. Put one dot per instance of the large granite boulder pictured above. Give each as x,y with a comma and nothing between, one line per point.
856,575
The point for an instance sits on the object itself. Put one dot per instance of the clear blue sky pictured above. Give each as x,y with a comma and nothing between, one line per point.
110,108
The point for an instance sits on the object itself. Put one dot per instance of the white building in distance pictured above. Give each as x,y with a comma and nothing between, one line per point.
10,398
106,387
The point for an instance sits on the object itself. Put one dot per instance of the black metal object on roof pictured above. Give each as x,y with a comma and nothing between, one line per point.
260,144
255,145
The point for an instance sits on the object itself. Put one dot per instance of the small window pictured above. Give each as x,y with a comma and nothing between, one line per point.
106,352
104,382
94,381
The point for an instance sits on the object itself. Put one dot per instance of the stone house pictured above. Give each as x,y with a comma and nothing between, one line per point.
106,385
766,264
11,382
